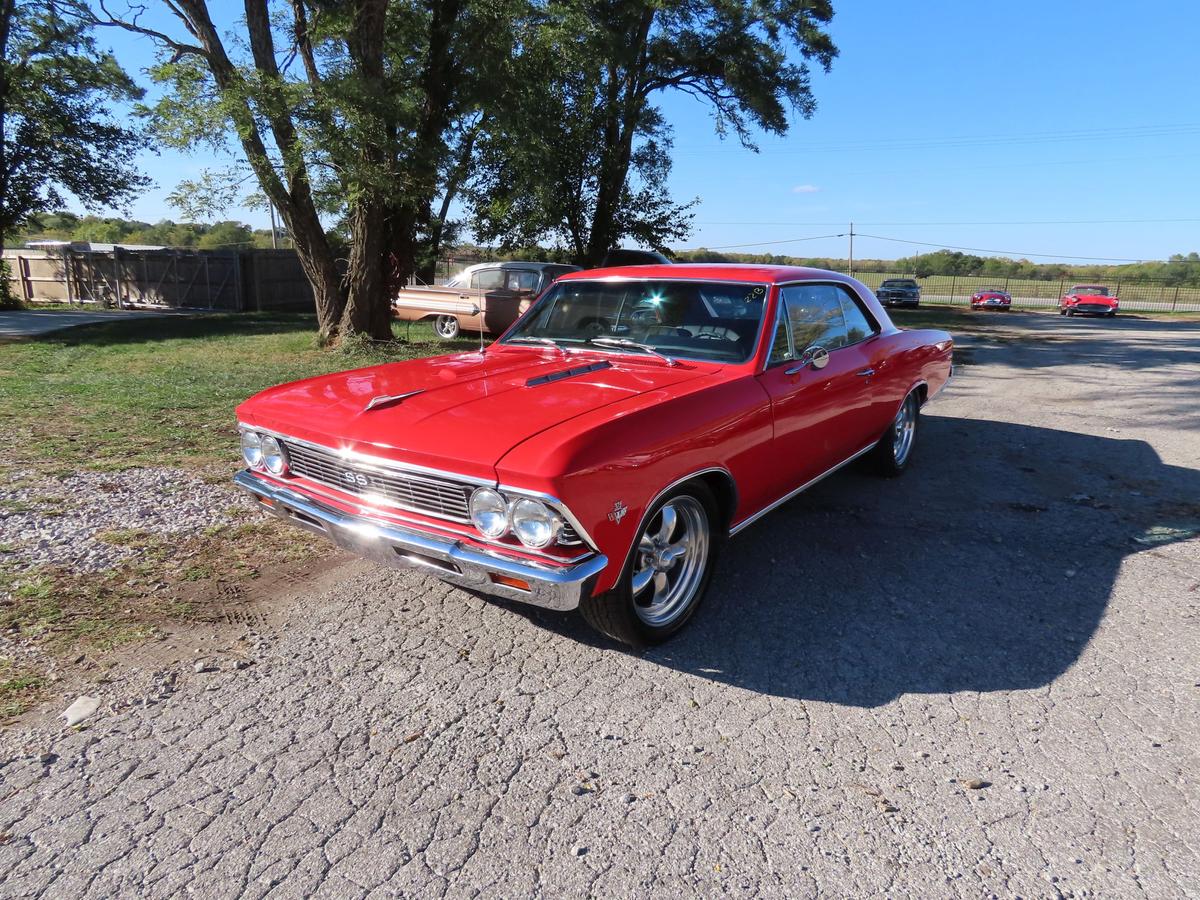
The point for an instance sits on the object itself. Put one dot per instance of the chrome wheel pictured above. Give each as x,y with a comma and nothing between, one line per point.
446,327
904,427
672,554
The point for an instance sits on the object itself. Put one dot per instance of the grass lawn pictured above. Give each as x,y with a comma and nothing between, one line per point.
161,391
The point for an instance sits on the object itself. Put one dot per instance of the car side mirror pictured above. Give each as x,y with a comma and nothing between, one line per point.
815,356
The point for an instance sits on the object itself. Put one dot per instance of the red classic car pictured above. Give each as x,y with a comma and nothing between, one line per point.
599,454
991,298
1088,300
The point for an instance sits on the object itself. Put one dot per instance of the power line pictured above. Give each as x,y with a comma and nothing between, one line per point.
819,237
938,245
1036,137
1033,222
1009,253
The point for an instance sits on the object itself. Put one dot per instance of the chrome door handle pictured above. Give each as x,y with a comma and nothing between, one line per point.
866,373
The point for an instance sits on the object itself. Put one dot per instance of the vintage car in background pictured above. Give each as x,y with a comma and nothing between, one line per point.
1088,300
486,298
601,452
899,292
991,298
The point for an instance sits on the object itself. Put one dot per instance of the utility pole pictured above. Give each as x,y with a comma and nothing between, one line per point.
274,229
851,273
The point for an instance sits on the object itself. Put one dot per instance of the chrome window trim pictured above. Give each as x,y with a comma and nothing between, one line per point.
608,279
866,311
750,520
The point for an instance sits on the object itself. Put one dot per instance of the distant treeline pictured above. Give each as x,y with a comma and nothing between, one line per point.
1179,269
67,226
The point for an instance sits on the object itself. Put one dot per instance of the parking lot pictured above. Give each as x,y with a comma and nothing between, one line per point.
980,679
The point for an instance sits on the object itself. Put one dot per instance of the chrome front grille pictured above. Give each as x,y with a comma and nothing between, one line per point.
427,494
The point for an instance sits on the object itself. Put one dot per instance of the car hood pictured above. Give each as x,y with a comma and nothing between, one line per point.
465,410
1095,298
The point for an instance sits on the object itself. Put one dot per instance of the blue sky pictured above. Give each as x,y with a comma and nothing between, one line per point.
988,126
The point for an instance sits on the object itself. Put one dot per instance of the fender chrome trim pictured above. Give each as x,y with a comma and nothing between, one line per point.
750,520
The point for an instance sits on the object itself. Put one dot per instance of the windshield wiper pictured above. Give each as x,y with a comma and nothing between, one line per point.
625,343
549,342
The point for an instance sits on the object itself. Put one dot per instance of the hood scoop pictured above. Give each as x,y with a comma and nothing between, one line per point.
568,373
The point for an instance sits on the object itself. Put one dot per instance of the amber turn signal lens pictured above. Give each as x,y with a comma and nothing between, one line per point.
505,580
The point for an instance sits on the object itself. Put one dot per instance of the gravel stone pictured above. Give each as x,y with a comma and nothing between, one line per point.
57,521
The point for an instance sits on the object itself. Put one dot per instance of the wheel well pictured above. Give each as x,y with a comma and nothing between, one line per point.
922,392
725,492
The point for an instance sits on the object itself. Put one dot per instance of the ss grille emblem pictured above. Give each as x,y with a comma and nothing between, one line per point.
356,479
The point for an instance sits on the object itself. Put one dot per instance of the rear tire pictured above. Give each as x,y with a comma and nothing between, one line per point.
893,453
667,573
446,327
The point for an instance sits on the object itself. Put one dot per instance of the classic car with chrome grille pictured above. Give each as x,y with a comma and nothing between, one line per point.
991,298
1088,300
603,450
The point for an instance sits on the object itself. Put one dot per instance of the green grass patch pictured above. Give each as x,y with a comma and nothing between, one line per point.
19,689
162,390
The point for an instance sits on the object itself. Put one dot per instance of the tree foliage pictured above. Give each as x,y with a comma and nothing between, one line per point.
578,153
68,226
59,137
346,113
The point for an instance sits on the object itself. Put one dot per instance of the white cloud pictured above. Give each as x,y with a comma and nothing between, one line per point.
805,189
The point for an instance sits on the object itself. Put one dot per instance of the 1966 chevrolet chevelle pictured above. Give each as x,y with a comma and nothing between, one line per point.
598,455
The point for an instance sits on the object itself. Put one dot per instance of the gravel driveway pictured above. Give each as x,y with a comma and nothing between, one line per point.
981,679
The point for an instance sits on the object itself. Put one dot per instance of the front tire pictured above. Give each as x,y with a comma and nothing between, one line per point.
892,454
446,327
668,571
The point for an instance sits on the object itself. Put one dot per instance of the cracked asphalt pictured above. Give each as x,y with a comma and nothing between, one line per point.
980,679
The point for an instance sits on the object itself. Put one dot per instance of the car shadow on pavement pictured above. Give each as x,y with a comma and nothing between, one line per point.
986,568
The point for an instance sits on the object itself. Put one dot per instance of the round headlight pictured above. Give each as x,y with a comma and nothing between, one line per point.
534,523
252,448
489,512
272,455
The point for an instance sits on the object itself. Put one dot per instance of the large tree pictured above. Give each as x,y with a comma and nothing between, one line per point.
58,135
346,113
594,172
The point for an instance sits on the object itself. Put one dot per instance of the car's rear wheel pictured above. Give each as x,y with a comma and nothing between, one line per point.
894,450
446,327
667,573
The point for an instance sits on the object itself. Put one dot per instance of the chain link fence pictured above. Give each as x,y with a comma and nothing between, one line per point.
1028,293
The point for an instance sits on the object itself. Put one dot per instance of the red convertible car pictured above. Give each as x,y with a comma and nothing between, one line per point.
599,454
991,298
1088,300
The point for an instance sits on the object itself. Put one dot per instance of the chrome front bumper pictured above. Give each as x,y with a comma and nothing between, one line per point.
550,586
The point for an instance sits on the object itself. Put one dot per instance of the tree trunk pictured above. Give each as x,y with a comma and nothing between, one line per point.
368,301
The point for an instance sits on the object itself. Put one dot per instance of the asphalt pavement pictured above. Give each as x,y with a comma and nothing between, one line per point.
980,679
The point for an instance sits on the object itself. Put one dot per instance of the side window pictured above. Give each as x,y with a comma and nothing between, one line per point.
781,348
814,312
521,280
488,279
858,326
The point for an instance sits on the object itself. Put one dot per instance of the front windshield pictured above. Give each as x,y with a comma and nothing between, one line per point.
899,284
1094,289
716,321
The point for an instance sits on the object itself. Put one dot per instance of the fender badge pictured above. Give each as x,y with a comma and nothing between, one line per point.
618,512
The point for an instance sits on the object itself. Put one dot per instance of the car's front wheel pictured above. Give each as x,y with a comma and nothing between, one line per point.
446,327
667,573
894,450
